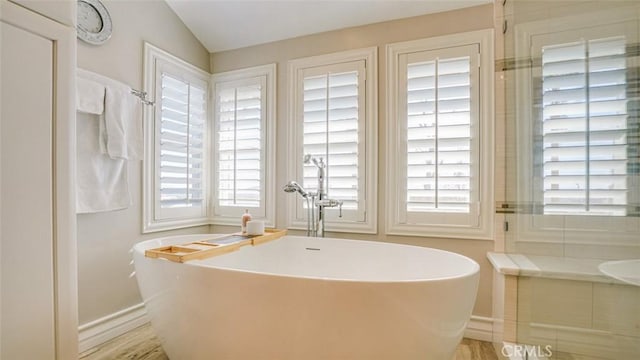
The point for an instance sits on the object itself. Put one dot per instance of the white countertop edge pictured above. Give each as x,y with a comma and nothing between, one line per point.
503,263
522,265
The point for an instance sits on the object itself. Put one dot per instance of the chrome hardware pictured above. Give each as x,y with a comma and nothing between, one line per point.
319,200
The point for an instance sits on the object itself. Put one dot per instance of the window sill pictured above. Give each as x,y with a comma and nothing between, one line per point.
173,225
235,221
449,232
353,228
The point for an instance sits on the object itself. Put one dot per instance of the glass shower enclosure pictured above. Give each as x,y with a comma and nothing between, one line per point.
571,101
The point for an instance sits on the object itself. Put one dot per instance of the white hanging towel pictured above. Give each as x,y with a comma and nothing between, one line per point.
123,124
89,96
102,182
105,141
121,129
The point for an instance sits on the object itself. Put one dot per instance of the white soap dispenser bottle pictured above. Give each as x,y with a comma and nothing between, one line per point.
246,217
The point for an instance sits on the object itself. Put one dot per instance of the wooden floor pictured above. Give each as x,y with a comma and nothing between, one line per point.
475,350
142,344
138,344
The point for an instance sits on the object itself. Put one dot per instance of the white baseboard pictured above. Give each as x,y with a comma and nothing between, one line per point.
106,328
479,328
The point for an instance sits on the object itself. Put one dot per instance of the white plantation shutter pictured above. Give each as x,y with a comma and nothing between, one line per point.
176,132
243,145
333,119
333,115
584,127
439,135
181,143
438,110
240,144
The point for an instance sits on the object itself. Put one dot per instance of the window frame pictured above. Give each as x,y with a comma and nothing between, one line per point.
296,217
427,223
156,59
536,228
224,215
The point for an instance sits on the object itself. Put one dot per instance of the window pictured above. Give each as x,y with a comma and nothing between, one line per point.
185,156
440,136
584,124
333,117
244,143
176,143
182,109
438,124
578,130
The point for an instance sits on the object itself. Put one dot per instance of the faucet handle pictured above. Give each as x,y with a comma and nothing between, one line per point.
330,203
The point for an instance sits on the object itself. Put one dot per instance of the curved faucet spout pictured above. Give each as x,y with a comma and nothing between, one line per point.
319,163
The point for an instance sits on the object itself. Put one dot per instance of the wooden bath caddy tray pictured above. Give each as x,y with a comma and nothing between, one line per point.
207,248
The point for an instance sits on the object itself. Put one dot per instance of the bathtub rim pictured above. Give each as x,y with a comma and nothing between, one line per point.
140,247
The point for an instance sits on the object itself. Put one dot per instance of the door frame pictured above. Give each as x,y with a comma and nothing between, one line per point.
64,142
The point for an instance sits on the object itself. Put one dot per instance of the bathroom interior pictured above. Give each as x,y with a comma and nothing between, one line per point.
548,167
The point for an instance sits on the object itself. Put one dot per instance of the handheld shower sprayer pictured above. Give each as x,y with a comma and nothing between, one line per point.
293,186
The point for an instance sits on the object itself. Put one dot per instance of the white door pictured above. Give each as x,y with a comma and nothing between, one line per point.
37,303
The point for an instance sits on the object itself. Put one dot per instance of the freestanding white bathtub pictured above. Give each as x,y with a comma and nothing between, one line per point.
303,298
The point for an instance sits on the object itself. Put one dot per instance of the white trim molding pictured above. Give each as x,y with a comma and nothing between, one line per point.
478,222
368,223
266,74
111,326
479,328
63,129
154,59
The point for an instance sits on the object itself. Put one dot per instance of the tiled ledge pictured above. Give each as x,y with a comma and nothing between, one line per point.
549,267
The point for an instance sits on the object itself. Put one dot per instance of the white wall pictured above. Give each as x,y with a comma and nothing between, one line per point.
104,239
380,34
62,11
